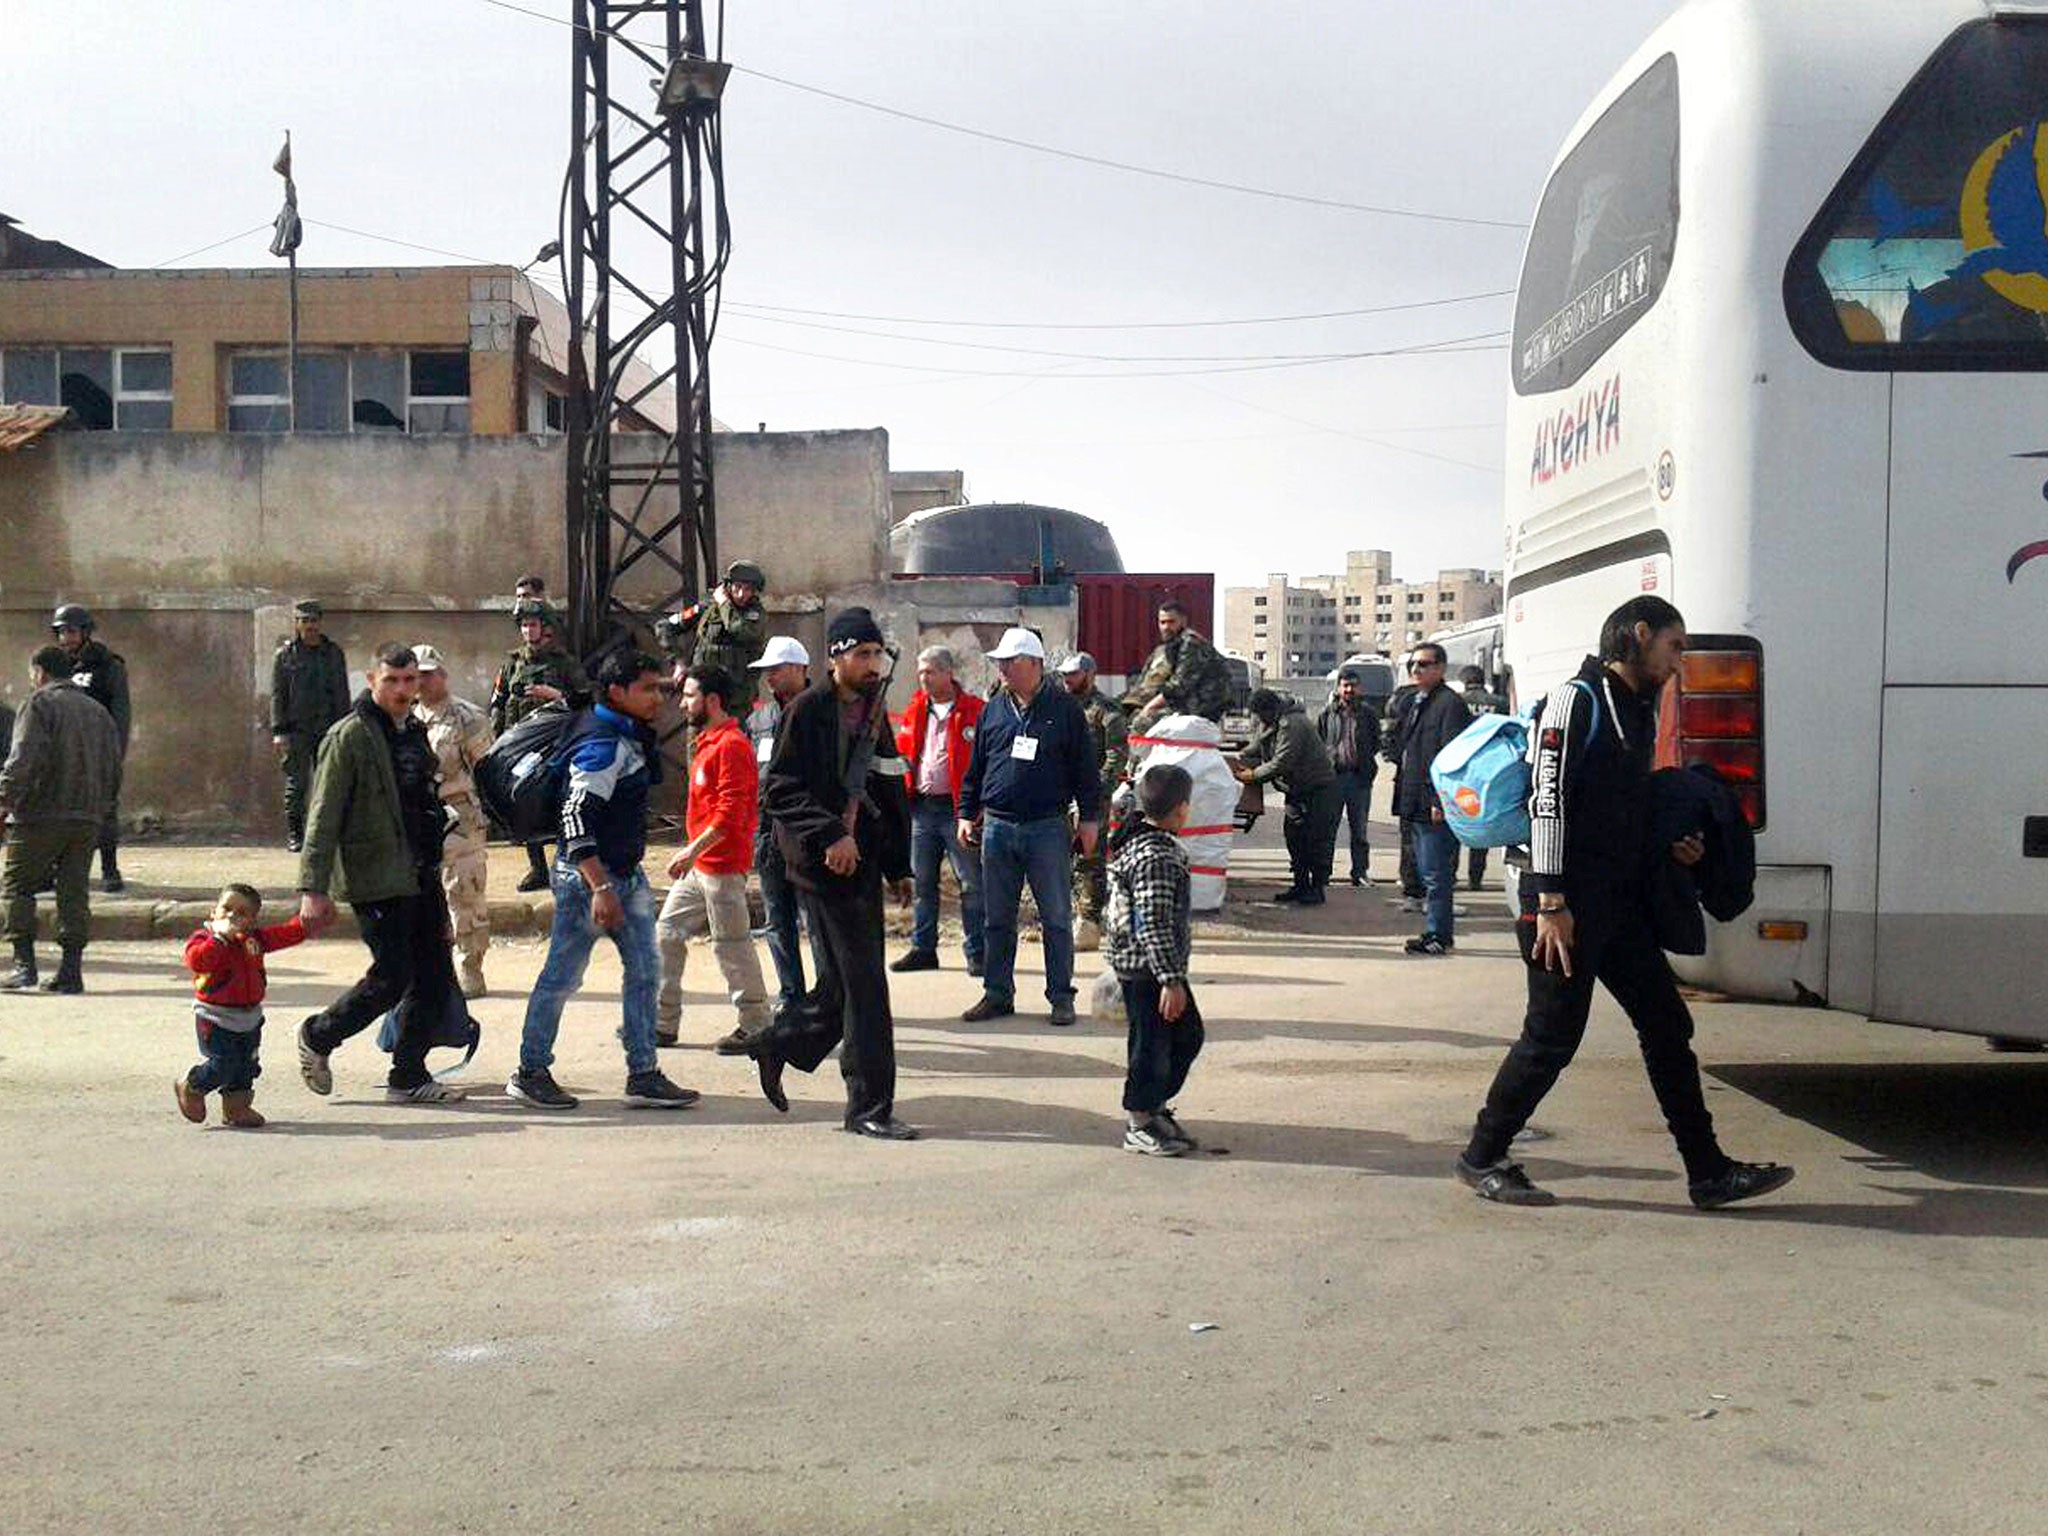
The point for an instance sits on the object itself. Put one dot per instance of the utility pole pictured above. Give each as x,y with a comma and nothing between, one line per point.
645,244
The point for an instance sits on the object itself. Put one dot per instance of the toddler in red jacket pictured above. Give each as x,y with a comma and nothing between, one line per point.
225,957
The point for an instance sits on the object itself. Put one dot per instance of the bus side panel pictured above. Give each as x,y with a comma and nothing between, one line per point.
1962,927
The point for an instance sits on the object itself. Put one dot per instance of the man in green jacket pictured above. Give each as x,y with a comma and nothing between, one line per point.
373,837
308,693
63,771
1289,751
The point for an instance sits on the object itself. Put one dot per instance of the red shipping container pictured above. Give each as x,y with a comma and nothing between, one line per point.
1119,619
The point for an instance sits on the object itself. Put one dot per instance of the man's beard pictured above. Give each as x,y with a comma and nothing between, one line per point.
869,687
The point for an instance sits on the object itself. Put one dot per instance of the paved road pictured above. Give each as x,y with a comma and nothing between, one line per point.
371,1318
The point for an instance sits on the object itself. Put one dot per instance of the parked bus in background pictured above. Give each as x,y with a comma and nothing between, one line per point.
1480,643
1780,355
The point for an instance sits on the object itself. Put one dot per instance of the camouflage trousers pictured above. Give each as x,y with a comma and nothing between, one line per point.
1091,885
462,878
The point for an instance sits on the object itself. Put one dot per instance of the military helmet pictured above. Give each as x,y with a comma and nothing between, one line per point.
750,573
72,616
533,608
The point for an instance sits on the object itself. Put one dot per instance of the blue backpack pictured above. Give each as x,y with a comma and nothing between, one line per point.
1482,777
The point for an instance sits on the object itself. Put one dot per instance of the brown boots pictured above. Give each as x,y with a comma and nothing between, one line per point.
237,1110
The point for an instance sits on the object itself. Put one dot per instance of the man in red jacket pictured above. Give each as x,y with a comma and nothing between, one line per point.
936,740
710,871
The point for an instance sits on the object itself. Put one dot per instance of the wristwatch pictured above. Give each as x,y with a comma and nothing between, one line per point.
1554,908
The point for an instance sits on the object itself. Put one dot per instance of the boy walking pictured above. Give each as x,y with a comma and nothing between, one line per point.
225,957
1148,946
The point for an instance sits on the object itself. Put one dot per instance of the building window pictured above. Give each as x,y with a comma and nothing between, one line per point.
84,379
1259,601
258,399
555,416
422,392
437,392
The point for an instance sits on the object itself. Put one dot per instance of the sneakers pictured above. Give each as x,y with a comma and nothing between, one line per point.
650,1090
739,1043
191,1102
1361,879
539,1089
429,1092
1165,1117
1429,944
532,880
988,1008
915,960
1503,1183
1292,893
1062,1014
313,1064
1153,1139
1741,1181
1411,903
882,1128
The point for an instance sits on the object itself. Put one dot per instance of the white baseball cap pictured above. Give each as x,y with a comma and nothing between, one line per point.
1080,661
783,651
428,659
1017,642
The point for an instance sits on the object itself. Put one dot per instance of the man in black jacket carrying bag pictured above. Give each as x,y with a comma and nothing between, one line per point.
833,794
1435,717
1585,905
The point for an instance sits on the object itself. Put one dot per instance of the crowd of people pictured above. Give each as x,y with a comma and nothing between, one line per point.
810,788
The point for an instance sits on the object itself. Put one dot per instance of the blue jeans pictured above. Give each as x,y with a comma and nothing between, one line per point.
935,836
1436,860
1012,854
233,1059
570,942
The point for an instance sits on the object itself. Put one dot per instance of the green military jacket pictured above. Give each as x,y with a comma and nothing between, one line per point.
355,847
547,664
308,687
1189,674
1291,752
1109,729
729,637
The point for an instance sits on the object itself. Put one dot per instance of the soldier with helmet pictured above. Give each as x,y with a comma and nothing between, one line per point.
1109,732
539,672
730,625
104,676
460,734
308,693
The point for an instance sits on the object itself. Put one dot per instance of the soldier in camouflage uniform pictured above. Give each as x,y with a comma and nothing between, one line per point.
460,734
308,693
1109,731
730,626
1184,676
539,672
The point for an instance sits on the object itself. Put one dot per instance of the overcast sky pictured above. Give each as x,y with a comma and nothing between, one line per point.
142,129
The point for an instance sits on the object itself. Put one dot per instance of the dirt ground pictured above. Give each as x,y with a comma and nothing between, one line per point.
477,1318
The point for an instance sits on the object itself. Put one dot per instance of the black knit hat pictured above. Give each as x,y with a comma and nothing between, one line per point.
851,627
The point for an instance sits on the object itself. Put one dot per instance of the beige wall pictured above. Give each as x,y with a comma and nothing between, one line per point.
191,548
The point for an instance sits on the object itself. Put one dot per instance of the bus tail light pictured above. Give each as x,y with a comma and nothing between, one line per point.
1720,714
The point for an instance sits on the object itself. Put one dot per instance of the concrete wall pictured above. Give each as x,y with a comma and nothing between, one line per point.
190,548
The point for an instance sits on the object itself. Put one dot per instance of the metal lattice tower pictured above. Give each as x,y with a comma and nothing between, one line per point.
645,242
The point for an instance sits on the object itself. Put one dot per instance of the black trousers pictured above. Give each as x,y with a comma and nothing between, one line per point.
848,1006
1613,945
1310,830
411,971
1411,875
1158,1054
301,748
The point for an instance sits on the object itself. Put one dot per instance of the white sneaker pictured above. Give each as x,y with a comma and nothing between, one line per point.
1411,903
429,1092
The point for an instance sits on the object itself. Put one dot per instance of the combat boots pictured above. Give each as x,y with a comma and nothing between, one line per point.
472,976
70,977
237,1112
23,976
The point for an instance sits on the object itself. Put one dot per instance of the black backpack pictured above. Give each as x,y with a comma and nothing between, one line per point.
520,780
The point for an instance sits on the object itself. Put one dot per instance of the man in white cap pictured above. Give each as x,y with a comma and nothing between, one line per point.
785,668
1033,758
460,734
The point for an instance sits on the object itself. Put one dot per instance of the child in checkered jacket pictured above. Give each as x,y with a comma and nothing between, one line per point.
1147,945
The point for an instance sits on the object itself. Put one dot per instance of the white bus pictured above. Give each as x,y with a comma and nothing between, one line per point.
1781,356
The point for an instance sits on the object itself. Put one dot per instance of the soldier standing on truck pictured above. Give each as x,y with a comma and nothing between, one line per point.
308,693
1185,675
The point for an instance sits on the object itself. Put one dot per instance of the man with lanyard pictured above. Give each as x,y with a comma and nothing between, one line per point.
834,792
1351,731
785,669
1584,905
938,740
1032,759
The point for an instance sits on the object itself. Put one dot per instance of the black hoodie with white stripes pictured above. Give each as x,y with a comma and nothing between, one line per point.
1590,758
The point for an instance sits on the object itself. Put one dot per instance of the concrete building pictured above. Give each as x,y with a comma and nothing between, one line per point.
919,490
1304,628
423,351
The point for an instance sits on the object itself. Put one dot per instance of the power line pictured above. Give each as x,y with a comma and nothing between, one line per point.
1360,437
202,250
1382,209
763,310
411,245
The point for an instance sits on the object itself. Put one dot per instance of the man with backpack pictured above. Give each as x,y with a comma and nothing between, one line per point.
1585,904
608,765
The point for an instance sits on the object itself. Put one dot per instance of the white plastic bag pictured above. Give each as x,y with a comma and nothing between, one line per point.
1192,743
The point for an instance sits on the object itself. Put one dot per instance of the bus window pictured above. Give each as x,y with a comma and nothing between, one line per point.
1931,253
1601,244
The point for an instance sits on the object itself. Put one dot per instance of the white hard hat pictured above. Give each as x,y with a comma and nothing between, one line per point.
1017,642
783,651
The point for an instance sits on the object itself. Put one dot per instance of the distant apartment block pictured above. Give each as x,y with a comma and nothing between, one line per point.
1304,627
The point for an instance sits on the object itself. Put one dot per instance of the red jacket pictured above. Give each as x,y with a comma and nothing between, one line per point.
959,736
724,788
229,973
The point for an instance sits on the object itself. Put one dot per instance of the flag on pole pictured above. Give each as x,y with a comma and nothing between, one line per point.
288,229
